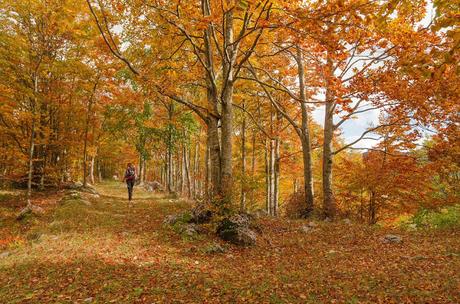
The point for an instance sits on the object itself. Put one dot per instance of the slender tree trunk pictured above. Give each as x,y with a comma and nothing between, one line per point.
267,178
169,166
32,144
91,170
31,162
169,177
187,172
99,172
243,163
140,173
179,171
276,177
253,164
272,176
372,219
144,173
328,195
207,160
305,138
196,168
85,147
43,170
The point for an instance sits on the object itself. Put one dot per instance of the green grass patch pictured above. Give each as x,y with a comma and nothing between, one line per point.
447,217
6,196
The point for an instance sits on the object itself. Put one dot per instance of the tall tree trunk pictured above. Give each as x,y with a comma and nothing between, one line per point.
272,176
31,162
196,168
243,163
253,164
99,171
271,165
140,172
144,173
267,177
227,135
43,170
32,145
169,166
187,172
276,177
85,147
328,195
230,50
91,170
372,208
215,188
305,138
214,172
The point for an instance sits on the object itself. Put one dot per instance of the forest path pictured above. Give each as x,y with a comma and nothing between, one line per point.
106,252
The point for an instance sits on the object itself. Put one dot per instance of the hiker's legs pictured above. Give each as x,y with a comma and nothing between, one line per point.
130,189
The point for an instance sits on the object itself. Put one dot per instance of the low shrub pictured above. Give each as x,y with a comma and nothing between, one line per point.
446,217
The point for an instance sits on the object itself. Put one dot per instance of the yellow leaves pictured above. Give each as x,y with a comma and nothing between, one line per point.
243,4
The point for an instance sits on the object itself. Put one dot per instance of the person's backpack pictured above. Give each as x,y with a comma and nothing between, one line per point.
130,173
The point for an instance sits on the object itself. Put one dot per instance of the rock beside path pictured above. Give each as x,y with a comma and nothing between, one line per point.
4,254
78,186
30,210
153,186
391,238
236,229
201,215
214,248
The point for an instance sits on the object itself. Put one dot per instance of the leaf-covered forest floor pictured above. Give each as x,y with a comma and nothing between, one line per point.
108,253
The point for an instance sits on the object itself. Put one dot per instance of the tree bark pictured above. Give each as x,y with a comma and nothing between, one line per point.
169,166
215,188
187,172
276,176
144,173
267,178
328,195
140,174
305,138
196,168
85,147
230,50
372,208
243,163
31,163
91,170
253,164
99,171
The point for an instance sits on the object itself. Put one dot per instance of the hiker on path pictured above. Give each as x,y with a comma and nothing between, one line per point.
130,178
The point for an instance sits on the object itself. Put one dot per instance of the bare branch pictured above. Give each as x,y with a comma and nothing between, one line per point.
113,49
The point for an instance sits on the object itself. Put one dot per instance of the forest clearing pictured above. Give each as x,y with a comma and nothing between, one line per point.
106,253
229,151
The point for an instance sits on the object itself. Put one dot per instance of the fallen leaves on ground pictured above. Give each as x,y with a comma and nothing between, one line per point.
110,253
